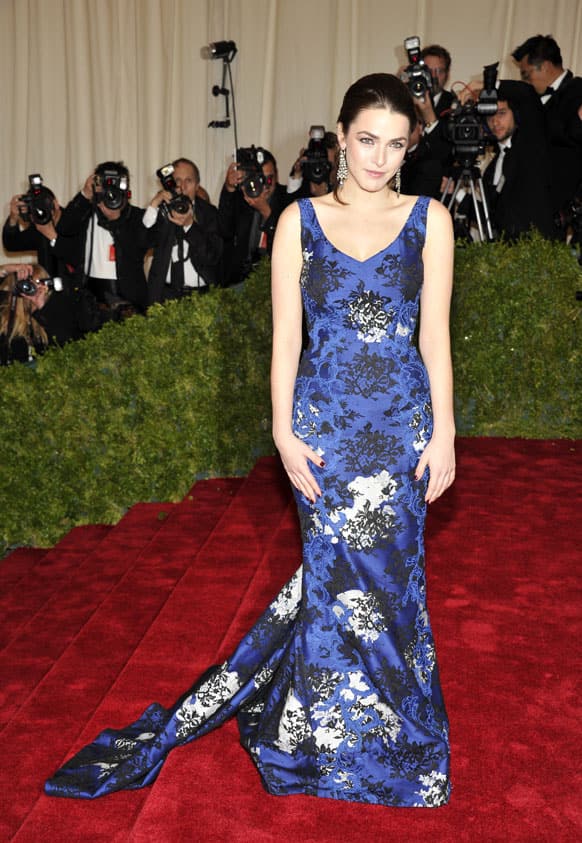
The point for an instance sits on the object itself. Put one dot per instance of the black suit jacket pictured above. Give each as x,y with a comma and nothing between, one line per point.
131,240
524,199
205,249
236,223
565,135
59,260
444,104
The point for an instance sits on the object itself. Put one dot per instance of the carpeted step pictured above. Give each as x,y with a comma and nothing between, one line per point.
94,659
45,635
21,599
18,562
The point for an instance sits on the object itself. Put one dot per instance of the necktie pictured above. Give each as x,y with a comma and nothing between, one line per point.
498,172
177,271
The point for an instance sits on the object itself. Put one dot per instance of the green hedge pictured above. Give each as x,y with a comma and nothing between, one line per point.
138,411
516,332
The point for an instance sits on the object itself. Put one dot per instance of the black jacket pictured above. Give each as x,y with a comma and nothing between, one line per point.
205,248
236,224
524,199
60,260
565,136
61,317
130,237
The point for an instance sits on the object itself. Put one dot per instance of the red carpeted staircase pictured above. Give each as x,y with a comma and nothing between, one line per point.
111,619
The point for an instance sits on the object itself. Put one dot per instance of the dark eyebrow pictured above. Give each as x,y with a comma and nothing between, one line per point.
376,137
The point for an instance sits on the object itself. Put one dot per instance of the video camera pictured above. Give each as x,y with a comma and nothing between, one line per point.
112,188
316,167
417,75
38,201
465,128
28,287
179,204
250,160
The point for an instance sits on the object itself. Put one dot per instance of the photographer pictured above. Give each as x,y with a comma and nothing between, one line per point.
111,239
251,202
438,61
34,313
313,173
429,156
517,180
187,244
28,229
540,64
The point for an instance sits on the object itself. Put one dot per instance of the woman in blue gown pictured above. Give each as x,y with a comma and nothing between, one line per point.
336,687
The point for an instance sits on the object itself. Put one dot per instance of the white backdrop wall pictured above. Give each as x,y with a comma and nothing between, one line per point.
90,80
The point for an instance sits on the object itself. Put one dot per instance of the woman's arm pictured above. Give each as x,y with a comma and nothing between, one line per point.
435,348
287,313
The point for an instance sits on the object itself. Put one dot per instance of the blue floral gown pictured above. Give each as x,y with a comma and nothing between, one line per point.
336,687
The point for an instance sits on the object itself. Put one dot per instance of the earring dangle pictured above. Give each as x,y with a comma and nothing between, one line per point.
397,182
342,168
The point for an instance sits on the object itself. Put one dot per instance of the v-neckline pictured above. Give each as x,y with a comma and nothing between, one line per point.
376,254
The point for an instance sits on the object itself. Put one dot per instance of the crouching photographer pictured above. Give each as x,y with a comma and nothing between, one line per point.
111,240
33,226
313,173
35,311
251,202
186,240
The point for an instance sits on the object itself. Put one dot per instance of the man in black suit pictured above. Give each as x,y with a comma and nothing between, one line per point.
517,180
187,246
540,63
110,237
429,156
438,61
248,223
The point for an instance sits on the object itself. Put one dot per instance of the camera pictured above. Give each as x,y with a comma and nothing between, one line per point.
179,204
38,201
465,128
112,188
417,75
250,160
28,287
316,167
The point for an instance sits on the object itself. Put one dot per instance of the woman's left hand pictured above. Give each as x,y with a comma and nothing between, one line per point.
439,457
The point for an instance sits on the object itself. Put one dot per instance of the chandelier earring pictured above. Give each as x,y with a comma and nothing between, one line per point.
342,168
397,182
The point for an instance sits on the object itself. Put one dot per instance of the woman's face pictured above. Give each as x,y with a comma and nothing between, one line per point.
375,145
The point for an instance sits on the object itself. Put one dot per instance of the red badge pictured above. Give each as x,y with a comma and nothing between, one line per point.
112,252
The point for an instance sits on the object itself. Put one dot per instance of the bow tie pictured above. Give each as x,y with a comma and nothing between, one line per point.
548,92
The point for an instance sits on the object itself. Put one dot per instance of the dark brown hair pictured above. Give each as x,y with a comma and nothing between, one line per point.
378,90
188,163
438,52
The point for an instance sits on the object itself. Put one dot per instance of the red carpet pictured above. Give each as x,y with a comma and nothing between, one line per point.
113,618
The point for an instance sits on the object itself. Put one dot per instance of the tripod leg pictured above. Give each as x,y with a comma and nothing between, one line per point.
485,209
445,193
477,208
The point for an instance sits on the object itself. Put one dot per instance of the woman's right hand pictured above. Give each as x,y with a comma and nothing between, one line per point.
295,456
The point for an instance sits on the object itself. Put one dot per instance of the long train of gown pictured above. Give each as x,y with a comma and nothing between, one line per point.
336,687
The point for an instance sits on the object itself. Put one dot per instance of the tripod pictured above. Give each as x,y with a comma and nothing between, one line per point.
466,174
